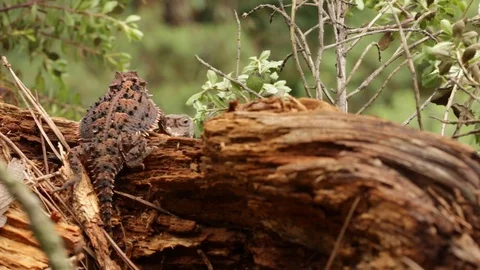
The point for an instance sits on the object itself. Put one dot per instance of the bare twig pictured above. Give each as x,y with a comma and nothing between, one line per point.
475,131
337,10
451,122
318,61
23,5
370,24
220,73
460,87
294,48
389,30
239,43
379,70
411,66
377,94
448,106
425,103
359,61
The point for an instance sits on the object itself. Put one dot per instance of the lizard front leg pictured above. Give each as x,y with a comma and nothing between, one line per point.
134,150
74,158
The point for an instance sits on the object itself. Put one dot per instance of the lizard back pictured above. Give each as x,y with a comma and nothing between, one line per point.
112,133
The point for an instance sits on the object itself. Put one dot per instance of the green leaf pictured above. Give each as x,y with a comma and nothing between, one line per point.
132,18
109,6
446,26
136,34
40,82
360,4
194,98
264,55
255,81
212,77
69,19
30,37
270,88
33,11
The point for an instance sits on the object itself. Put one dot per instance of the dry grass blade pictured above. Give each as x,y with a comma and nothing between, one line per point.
33,102
20,153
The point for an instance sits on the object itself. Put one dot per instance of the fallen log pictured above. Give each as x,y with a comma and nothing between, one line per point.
284,185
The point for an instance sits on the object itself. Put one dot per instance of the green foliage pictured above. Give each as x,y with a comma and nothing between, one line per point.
259,75
48,31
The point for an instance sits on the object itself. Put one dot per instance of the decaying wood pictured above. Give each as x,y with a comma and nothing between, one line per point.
20,250
271,184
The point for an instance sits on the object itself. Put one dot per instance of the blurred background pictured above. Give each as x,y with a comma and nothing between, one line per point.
175,31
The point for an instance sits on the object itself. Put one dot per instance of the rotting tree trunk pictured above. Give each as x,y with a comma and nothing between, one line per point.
272,184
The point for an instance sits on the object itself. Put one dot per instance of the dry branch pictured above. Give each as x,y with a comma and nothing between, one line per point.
272,185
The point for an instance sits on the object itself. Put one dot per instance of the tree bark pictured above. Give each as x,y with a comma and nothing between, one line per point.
291,185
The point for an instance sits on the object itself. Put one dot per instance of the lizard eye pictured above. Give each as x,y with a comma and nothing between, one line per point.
185,121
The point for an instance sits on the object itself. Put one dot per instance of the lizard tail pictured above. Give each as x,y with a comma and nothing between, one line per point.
104,186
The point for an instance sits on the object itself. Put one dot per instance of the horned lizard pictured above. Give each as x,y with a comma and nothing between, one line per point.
177,125
112,135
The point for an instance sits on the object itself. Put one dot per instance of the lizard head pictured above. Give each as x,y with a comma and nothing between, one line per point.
178,125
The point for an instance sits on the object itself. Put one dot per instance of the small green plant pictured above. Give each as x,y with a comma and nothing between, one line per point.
260,75
47,32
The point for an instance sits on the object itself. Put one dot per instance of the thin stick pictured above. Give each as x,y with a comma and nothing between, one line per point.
370,24
228,77
120,252
20,153
142,201
46,176
465,90
37,106
318,61
377,94
39,125
341,60
475,131
205,259
42,140
411,66
342,232
452,122
239,43
294,49
447,108
360,60
425,103
379,70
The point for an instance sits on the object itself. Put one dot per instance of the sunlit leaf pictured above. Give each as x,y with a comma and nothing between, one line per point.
109,6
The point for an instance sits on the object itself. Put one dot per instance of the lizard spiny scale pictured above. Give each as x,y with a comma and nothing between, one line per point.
111,134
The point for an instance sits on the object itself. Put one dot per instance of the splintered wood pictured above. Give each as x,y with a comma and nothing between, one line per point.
19,248
292,184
